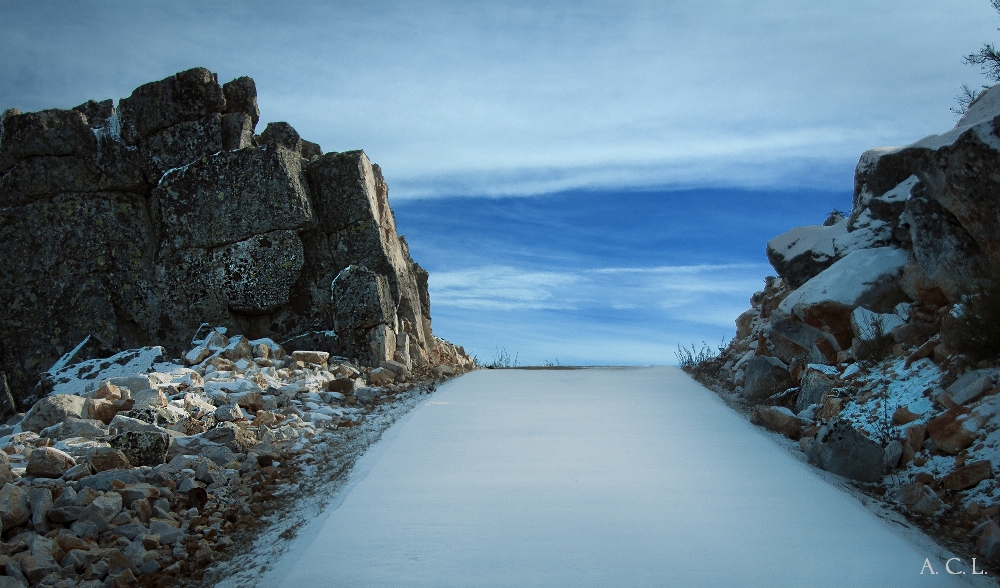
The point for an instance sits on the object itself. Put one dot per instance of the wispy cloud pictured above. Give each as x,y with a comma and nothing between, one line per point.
668,291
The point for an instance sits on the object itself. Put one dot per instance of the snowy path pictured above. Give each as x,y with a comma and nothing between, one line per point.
596,477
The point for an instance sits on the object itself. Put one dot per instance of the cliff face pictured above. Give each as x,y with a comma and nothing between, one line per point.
135,225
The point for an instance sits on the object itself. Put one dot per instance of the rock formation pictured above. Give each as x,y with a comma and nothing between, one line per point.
855,350
134,225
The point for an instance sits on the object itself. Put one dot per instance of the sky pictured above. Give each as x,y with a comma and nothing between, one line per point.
586,182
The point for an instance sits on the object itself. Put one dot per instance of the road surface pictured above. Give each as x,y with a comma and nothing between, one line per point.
595,477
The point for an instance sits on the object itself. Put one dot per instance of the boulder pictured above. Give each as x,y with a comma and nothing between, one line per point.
968,388
49,462
72,427
53,132
149,398
107,458
97,112
778,419
803,252
814,384
765,376
792,339
968,476
40,500
946,257
282,133
381,376
186,96
241,97
919,498
954,430
52,410
839,448
314,357
142,448
232,196
867,277
904,416
14,506
6,469
179,145
988,542
362,299
36,567
310,150
229,435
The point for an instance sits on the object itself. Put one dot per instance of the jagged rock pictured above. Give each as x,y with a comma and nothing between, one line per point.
314,357
362,299
988,541
104,481
142,448
282,133
111,169
310,150
107,458
381,376
814,385
72,427
97,112
841,449
919,498
97,250
6,469
803,252
241,97
52,410
232,196
795,340
49,462
237,131
40,500
229,435
967,388
867,277
228,413
947,258
129,424
765,376
14,509
53,132
778,419
186,96
36,567
149,398
179,145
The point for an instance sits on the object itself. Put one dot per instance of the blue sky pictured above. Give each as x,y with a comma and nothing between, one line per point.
588,181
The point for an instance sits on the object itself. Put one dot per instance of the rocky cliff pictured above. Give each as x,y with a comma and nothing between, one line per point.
877,346
132,225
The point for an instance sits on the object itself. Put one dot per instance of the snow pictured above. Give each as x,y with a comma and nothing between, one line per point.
978,119
985,108
816,240
87,375
849,279
593,477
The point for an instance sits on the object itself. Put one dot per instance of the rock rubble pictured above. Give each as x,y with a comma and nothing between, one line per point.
850,350
131,476
128,225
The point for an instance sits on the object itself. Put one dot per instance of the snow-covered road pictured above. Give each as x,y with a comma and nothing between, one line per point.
595,477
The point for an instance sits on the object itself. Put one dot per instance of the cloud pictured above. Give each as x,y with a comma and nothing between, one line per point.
661,293
522,97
